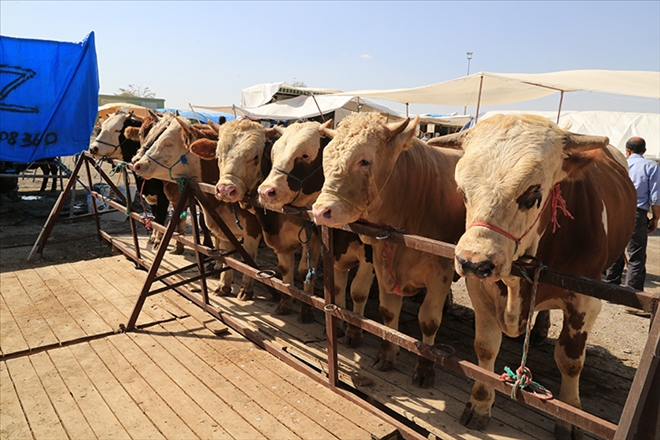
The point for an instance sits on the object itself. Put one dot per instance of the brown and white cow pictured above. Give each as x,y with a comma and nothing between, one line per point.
114,142
169,158
243,155
296,179
380,172
533,188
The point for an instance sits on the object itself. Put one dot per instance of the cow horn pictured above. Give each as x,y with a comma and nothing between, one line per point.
575,142
154,115
454,140
329,132
279,129
398,127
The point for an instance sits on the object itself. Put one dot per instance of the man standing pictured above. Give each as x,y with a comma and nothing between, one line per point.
646,178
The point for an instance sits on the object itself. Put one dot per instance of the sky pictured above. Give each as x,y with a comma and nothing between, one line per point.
205,52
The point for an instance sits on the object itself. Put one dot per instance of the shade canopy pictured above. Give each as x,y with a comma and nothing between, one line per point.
486,88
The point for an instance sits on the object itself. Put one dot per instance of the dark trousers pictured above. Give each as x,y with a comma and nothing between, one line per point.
636,249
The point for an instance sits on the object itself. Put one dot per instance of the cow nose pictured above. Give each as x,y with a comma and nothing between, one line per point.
481,269
226,191
322,214
267,193
137,167
94,150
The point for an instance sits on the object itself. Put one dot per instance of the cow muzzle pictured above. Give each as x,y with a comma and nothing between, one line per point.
227,193
482,269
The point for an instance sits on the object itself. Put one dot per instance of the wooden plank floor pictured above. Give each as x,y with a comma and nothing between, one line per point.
66,371
604,383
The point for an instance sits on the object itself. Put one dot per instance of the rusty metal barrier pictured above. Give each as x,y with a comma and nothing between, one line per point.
639,418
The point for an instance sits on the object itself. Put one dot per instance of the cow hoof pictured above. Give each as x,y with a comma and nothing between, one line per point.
244,295
424,375
353,337
178,249
568,432
306,315
282,310
473,420
383,365
222,291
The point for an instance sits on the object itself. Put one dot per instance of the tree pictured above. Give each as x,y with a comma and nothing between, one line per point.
135,91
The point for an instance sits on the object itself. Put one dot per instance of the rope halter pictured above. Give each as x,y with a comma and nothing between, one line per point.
558,203
183,160
301,181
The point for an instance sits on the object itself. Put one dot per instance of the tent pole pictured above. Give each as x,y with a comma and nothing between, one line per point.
407,116
481,83
194,113
561,100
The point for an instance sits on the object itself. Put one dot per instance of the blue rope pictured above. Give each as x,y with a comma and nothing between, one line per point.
307,227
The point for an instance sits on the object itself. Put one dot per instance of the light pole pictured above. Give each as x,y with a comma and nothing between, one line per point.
469,57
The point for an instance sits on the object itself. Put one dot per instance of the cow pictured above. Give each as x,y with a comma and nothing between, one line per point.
517,173
296,179
381,173
243,157
112,143
168,157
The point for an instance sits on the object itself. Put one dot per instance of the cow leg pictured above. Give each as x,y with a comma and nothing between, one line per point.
360,287
579,316
430,317
251,246
181,229
487,341
227,275
539,334
314,248
389,310
286,264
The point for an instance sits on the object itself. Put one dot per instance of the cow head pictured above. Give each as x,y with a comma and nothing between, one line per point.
112,139
239,150
296,175
357,164
509,177
166,147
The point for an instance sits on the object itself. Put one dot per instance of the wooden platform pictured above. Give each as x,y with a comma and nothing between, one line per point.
67,371
604,384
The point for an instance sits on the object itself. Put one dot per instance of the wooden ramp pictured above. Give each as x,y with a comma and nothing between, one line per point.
68,372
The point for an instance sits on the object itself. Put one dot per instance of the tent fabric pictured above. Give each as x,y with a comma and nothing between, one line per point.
261,94
618,126
302,107
496,88
202,117
225,109
106,110
48,97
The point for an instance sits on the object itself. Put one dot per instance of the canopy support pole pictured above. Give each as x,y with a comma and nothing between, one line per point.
561,100
481,84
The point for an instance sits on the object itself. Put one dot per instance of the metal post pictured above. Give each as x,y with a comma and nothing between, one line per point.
329,296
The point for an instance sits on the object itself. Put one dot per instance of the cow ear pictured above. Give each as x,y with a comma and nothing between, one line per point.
215,127
403,132
453,141
580,151
154,115
132,133
204,148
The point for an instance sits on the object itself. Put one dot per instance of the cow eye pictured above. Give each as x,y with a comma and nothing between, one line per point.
256,159
531,197
364,163
305,156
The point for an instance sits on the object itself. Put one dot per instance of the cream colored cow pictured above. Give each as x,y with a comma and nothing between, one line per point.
531,188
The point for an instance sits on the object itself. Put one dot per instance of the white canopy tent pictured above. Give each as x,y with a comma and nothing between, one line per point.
302,107
618,126
261,94
486,88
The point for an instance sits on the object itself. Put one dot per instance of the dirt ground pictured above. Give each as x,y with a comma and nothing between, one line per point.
621,333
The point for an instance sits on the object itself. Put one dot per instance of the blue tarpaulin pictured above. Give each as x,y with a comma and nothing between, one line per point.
48,97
